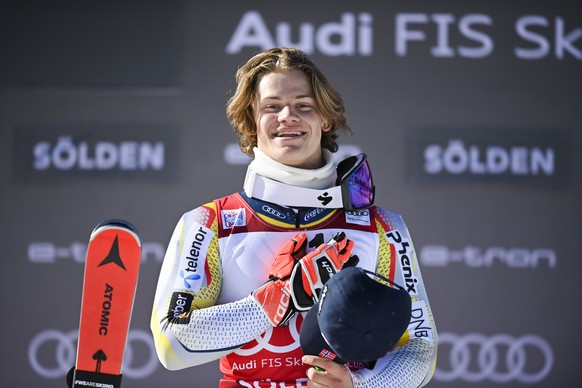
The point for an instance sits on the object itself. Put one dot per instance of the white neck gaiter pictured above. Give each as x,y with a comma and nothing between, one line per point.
319,178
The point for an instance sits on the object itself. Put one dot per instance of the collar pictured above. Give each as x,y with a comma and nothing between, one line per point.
303,188
318,178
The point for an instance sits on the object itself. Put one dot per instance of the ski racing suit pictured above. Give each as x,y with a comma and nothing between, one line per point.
221,252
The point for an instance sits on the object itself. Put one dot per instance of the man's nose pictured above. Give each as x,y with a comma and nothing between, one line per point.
288,113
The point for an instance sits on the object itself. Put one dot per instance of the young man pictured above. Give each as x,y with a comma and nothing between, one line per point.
233,284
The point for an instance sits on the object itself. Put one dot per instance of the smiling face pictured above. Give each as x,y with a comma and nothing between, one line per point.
289,125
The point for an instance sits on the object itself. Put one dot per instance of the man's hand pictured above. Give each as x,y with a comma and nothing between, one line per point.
326,373
317,267
275,295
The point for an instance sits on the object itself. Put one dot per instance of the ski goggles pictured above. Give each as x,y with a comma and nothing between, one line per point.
354,188
355,180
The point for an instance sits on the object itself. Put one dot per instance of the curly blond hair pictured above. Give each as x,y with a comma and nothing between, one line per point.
239,110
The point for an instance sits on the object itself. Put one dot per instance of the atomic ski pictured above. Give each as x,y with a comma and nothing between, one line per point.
110,280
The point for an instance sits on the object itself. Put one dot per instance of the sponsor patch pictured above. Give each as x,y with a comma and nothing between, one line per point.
180,305
191,274
358,217
232,218
404,252
419,326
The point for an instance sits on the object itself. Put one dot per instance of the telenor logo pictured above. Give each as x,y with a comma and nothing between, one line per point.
188,278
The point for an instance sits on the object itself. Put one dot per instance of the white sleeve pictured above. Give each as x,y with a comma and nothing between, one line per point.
205,332
214,332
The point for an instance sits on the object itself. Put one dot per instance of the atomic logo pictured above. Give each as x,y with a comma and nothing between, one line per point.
113,255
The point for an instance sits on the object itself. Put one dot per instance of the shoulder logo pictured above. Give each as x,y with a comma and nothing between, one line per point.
358,217
405,253
233,217
191,268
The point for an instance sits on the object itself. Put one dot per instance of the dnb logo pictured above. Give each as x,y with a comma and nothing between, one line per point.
51,353
500,358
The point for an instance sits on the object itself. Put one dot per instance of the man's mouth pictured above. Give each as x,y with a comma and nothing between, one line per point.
288,134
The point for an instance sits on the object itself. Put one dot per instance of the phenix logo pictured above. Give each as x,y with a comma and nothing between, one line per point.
404,250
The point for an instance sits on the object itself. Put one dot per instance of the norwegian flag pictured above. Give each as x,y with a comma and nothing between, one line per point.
327,354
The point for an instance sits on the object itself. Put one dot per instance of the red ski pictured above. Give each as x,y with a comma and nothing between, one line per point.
110,280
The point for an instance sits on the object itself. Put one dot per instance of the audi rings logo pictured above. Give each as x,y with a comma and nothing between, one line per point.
52,354
263,342
499,358
274,212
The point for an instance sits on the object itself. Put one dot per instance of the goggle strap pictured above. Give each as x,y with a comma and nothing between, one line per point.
257,186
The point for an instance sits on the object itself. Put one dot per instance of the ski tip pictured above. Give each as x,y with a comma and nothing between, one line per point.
116,223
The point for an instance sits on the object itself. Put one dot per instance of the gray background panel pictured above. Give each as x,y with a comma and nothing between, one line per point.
160,71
